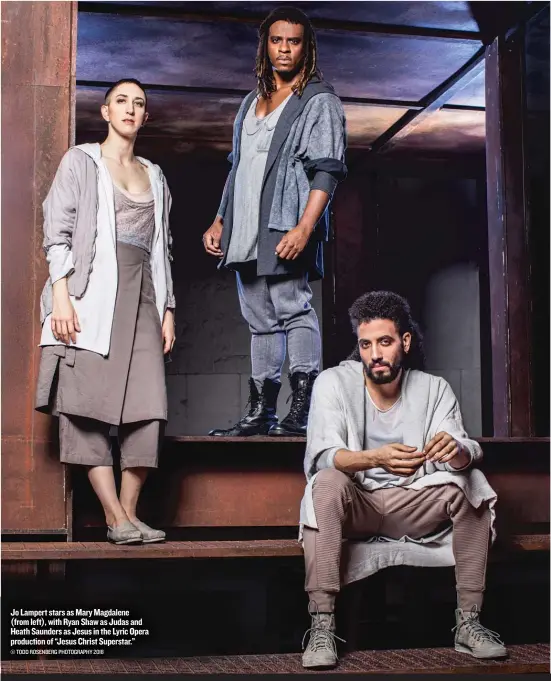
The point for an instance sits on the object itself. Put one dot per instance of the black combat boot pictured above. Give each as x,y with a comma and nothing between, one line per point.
297,419
261,415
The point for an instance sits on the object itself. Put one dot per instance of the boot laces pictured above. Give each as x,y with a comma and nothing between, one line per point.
298,404
321,638
249,411
475,629
252,403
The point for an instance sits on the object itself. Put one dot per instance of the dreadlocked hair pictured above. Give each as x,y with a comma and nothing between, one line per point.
389,305
264,69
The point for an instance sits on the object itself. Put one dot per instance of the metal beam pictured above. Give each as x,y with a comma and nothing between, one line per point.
358,27
434,101
234,92
463,107
508,240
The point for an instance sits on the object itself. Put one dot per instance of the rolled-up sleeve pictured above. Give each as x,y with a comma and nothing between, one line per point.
60,208
327,458
60,262
326,173
323,156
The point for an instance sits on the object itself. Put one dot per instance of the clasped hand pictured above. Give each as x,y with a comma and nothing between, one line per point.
404,460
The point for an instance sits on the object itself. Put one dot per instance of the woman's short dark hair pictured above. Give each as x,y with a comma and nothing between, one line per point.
120,82
389,305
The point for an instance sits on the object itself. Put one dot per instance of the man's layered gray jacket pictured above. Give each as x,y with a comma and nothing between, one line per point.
306,153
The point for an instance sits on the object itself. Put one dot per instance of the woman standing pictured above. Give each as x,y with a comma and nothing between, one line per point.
108,310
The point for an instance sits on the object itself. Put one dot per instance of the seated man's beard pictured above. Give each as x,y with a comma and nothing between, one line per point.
381,378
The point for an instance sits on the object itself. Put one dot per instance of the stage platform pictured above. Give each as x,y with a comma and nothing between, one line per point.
523,659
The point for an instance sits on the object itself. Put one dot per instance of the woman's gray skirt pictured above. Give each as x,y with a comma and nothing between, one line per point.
129,384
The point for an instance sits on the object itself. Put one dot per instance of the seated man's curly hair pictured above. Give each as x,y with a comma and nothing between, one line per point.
389,305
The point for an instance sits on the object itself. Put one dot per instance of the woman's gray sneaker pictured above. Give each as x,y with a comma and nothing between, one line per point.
149,535
125,533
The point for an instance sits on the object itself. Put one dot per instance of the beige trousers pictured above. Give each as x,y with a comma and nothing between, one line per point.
344,510
86,442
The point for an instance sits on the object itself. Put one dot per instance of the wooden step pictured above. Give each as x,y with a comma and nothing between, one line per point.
258,548
261,548
523,659
274,440
528,542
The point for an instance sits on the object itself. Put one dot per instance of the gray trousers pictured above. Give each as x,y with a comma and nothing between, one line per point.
278,312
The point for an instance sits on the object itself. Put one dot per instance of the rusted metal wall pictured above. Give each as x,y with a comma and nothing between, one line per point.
259,484
38,76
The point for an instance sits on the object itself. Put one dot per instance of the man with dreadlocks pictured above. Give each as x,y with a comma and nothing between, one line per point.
389,467
288,156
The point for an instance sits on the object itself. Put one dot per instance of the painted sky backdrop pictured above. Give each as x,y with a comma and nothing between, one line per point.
167,51
445,14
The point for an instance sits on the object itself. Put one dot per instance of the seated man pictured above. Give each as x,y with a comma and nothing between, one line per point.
387,457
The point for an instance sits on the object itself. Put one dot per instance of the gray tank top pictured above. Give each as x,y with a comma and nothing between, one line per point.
256,138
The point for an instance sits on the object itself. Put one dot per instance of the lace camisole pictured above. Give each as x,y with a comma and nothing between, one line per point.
135,217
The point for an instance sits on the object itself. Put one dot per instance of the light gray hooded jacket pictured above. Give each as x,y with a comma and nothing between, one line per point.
79,223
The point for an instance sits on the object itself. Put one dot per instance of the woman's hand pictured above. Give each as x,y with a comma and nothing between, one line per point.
65,324
169,336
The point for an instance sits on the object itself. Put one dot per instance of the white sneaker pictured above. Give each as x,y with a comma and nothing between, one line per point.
472,638
321,652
